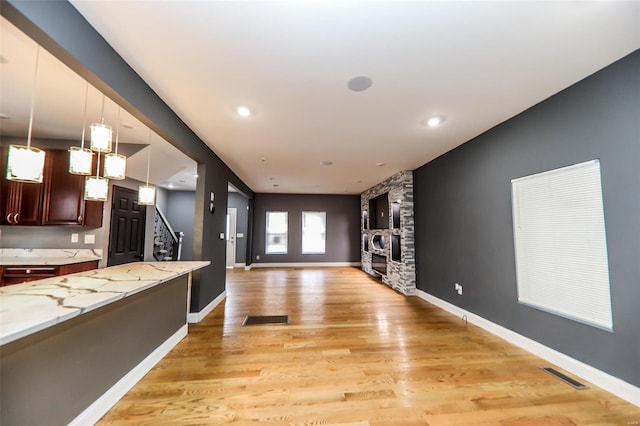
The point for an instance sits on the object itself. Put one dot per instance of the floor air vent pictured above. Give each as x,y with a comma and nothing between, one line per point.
568,380
265,319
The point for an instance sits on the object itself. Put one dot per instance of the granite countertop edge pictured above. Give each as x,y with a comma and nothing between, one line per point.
34,306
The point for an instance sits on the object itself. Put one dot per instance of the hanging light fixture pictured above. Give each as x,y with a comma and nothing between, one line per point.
96,188
115,164
80,157
101,134
25,163
147,193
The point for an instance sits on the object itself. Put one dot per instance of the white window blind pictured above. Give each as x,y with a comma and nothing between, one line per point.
560,243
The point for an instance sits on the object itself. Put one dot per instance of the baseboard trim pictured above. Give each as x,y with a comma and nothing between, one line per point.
104,403
239,265
610,383
304,265
195,317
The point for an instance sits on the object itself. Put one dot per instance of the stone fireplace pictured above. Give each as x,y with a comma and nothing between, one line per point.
387,228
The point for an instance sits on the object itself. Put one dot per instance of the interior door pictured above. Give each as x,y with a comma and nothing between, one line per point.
232,217
126,238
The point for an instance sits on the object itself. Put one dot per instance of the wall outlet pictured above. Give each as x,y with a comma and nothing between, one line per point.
222,235
74,238
458,288
257,257
90,239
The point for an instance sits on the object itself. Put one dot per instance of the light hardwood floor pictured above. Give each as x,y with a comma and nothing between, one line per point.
355,353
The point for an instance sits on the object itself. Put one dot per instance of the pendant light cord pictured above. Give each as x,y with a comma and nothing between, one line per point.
33,97
118,131
84,120
148,159
102,111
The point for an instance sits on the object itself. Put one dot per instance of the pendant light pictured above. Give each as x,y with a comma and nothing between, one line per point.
96,188
101,134
80,158
25,163
147,193
115,164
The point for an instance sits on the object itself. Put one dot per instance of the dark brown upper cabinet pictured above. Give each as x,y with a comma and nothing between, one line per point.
58,200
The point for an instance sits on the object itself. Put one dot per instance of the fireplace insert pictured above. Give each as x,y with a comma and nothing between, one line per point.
379,263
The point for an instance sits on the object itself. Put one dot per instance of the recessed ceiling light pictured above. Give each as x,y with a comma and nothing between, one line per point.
263,160
243,111
380,164
435,121
359,83
275,185
326,163
4,116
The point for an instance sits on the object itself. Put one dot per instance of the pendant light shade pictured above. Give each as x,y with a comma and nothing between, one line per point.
101,137
146,195
80,158
115,166
80,161
101,134
25,163
96,188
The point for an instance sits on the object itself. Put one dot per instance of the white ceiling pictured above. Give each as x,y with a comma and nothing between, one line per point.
59,111
477,63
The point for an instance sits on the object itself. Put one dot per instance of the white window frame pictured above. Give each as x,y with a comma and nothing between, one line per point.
267,249
324,234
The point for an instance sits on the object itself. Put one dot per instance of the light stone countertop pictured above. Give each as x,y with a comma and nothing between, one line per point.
47,257
33,306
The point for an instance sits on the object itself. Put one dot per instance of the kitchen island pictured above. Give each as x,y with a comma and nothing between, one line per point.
73,345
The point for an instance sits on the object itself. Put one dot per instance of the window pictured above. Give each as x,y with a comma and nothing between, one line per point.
314,232
560,242
276,238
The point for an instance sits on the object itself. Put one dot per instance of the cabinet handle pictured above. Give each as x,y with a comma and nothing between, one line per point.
16,218
9,218
80,219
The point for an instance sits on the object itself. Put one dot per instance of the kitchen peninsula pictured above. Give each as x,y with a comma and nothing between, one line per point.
73,345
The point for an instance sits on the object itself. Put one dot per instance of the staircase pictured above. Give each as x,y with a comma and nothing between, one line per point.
167,244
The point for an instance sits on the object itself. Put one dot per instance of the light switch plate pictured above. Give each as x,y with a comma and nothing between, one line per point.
90,239
222,235
239,235
74,238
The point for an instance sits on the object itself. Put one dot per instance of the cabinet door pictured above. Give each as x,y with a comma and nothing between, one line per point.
21,202
63,192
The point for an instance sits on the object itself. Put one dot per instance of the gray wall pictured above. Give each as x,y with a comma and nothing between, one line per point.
463,214
241,203
343,226
59,28
181,209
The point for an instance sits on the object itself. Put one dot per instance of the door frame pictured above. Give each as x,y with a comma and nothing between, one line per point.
232,227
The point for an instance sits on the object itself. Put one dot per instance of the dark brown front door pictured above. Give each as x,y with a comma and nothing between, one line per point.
126,239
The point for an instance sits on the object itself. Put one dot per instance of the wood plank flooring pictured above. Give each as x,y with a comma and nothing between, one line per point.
355,353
